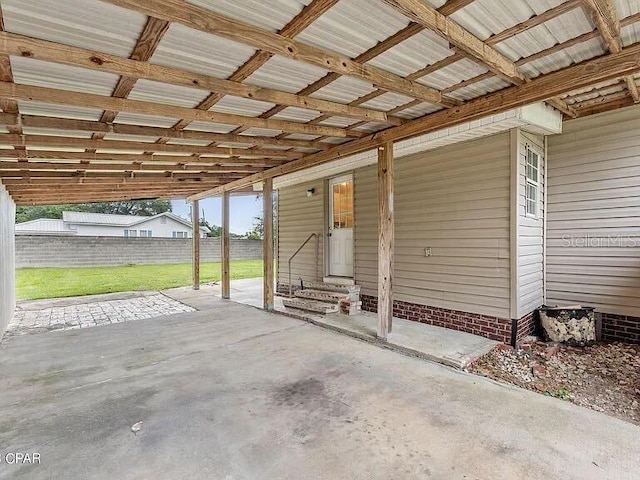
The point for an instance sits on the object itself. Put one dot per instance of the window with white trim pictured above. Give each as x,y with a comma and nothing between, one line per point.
180,235
146,233
532,182
130,233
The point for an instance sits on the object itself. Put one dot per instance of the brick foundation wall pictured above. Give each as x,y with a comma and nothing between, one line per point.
620,328
484,325
527,326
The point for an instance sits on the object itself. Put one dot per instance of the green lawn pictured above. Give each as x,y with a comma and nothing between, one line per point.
37,283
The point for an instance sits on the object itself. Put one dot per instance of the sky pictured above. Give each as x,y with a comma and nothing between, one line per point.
242,209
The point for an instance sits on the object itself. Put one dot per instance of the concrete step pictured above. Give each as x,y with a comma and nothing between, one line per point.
331,287
322,295
310,305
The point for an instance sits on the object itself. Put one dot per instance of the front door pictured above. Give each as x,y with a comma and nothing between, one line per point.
340,227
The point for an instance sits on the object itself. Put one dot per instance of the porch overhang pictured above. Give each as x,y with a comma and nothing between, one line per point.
537,118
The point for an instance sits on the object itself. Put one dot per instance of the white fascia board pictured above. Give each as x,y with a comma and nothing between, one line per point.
537,118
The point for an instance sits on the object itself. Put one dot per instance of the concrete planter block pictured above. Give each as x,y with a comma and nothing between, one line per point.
569,325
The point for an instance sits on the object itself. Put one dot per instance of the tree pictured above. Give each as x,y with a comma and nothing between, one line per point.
145,208
258,229
213,230
258,224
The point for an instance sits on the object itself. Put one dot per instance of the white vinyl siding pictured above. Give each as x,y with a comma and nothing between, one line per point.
530,225
300,215
593,226
455,200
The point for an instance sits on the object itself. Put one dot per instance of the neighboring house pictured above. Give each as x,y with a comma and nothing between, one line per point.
493,219
163,225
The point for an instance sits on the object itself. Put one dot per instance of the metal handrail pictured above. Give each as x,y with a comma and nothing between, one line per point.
313,235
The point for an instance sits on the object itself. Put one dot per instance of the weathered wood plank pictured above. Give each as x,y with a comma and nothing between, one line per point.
91,126
195,226
11,44
385,239
267,244
149,40
13,91
216,24
53,141
225,245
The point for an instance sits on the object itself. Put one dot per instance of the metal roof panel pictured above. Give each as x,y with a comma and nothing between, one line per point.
82,23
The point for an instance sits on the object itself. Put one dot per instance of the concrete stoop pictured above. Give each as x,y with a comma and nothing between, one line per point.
325,298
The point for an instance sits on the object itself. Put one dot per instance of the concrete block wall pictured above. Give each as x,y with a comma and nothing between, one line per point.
63,251
7,259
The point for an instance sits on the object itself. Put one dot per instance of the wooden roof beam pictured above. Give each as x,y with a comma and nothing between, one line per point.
11,44
466,42
169,133
6,75
13,91
86,156
123,167
48,181
603,13
306,17
210,22
148,176
452,6
546,86
55,141
400,36
146,45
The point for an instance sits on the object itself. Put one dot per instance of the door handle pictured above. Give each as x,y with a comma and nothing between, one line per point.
329,234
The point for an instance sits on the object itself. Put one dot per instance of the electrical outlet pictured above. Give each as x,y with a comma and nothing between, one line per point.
427,252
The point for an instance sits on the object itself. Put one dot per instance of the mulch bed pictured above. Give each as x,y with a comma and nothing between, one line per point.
604,377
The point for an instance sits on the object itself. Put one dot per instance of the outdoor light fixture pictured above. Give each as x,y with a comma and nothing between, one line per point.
311,192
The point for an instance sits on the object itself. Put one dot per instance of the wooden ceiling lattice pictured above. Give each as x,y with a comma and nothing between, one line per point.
219,143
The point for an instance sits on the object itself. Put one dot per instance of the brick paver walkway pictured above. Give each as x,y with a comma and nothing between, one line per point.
93,314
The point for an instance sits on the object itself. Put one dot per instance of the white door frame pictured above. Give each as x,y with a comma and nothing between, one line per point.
329,226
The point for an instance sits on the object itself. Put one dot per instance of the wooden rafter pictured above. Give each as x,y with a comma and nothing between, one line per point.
87,156
414,28
210,22
452,6
306,17
409,31
541,88
169,133
462,39
54,141
606,19
6,75
78,99
534,21
146,45
11,44
466,42
124,167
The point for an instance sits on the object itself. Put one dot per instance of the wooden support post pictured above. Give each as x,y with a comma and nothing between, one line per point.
226,282
385,239
195,219
267,199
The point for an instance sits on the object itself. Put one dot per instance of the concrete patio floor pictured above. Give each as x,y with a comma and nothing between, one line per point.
237,393
450,347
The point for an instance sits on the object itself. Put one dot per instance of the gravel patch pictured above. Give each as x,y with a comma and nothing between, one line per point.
604,377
